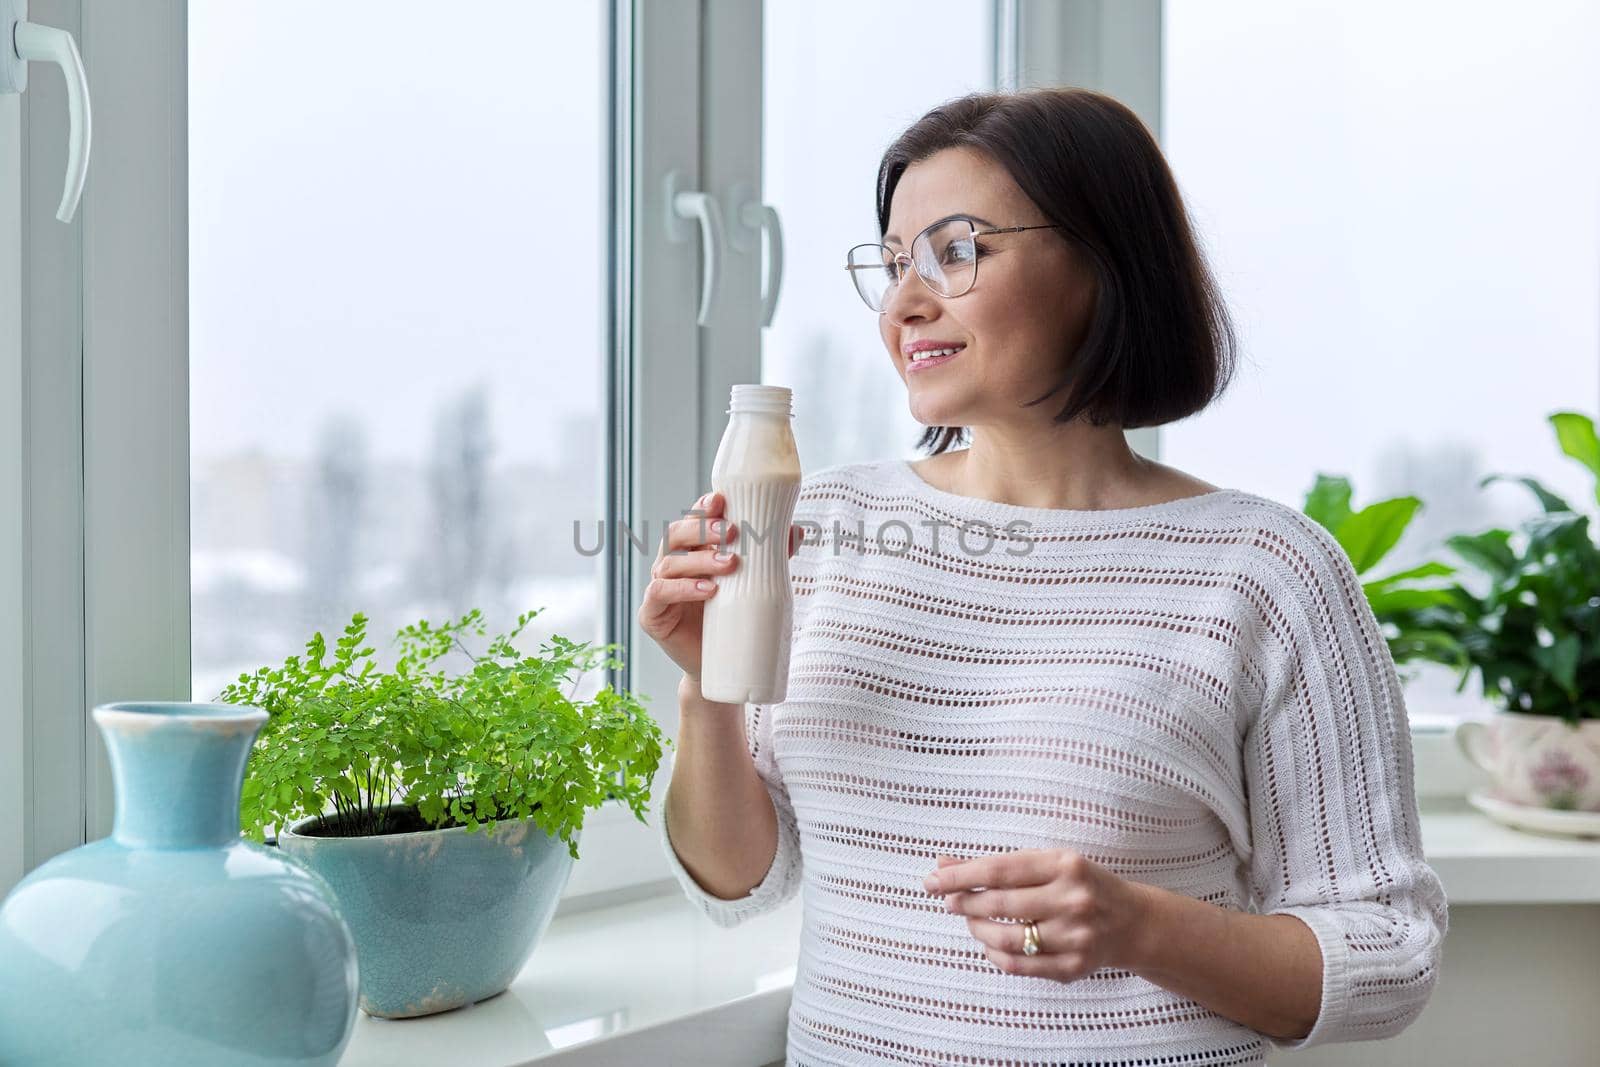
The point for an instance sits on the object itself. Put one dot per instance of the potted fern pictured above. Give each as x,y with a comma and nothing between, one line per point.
444,809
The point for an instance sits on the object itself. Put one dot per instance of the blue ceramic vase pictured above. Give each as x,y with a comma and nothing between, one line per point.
442,918
174,941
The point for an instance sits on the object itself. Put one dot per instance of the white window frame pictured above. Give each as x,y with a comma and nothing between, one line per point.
94,593
41,459
13,616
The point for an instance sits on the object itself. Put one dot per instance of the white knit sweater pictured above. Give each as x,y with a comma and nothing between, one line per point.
1195,695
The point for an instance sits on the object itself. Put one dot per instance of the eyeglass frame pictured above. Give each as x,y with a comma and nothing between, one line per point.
896,256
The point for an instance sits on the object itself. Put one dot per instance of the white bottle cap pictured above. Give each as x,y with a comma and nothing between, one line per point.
761,400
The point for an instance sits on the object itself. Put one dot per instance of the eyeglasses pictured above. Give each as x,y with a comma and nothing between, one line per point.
945,256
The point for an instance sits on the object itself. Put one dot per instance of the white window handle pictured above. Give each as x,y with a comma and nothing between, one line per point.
25,41
756,218
764,217
692,204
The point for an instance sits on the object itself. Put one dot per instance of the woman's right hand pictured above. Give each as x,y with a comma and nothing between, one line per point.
673,611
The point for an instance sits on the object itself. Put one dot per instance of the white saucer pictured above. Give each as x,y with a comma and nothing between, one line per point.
1539,820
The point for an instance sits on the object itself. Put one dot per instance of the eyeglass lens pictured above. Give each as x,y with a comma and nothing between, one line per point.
943,256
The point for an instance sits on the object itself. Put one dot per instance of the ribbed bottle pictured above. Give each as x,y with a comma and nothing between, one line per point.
748,621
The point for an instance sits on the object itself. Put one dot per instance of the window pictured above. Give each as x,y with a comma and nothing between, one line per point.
435,311
377,335
823,136
397,323
1410,238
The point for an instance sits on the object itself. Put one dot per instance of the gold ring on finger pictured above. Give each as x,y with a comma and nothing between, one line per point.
1030,938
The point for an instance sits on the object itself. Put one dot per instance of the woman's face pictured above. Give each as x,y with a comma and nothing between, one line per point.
1025,314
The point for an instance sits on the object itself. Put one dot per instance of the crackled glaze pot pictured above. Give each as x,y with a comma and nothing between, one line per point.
174,941
442,918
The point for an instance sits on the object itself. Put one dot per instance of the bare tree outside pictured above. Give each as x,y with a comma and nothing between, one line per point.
336,520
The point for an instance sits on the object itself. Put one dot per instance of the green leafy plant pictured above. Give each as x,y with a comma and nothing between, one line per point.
1534,633
502,740
1416,615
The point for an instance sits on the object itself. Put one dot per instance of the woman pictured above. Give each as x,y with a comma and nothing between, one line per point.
1083,758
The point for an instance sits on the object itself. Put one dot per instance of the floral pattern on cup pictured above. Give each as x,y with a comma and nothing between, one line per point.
1540,761
1559,778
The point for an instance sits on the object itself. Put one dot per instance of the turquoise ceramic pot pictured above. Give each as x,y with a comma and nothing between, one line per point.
174,941
442,918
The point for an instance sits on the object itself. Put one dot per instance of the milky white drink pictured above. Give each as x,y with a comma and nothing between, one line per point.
745,640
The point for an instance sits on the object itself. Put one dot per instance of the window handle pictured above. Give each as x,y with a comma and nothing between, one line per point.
683,204
765,217
756,218
26,42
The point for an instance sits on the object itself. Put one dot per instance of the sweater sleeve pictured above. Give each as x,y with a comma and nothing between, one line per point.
782,879
1335,836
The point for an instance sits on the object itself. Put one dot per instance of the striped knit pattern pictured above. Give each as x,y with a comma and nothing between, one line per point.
1194,694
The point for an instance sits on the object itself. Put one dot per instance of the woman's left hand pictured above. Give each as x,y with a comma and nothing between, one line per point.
1086,916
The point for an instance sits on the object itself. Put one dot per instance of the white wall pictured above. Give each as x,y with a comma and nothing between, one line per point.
11,566
1517,986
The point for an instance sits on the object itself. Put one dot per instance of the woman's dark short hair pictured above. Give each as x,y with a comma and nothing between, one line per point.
1160,346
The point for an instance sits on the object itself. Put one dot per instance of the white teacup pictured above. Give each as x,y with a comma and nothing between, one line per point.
1538,760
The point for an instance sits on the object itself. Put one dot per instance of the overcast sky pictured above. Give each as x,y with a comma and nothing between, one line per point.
378,221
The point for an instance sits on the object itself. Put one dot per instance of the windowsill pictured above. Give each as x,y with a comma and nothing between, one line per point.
647,981
654,981
1481,861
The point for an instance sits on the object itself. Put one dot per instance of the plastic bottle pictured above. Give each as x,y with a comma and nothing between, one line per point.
748,621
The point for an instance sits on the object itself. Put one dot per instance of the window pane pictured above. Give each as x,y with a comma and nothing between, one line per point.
1409,242
824,134
397,315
